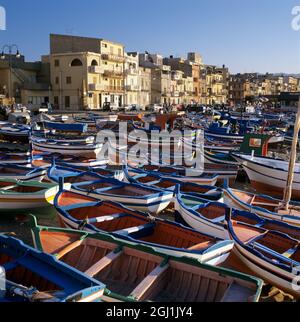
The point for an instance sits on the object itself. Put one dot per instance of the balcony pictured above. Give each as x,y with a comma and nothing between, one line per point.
131,71
175,94
114,73
96,70
113,58
113,89
132,88
105,88
96,87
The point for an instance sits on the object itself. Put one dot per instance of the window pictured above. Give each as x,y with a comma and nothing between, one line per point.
112,50
67,101
69,80
56,80
76,62
56,62
120,52
94,62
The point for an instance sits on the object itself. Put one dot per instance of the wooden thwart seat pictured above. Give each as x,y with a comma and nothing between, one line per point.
236,293
289,253
148,282
68,249
268,204
103,263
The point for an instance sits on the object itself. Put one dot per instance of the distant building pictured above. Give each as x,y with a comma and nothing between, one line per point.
245,88
132,83
145,77
29,83
215,89
86,72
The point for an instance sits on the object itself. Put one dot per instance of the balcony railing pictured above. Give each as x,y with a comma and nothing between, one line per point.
131,71
105,88
114,88
132,88
113,73
114,58
96,70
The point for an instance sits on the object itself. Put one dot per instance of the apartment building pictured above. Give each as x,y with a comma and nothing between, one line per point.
132,82
145,77
191,68
28,83
86,73
244,88
216,87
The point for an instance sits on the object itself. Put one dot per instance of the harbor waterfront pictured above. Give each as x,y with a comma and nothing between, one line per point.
156,191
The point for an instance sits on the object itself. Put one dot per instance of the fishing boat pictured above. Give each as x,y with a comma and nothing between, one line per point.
139,273
202,215
268,174
88,150
25,195
183,174
75,175
223,133
23,173
272,255
15,158
263,205
66,127
33,276
15,133
219,158
140,177
134,196
167,237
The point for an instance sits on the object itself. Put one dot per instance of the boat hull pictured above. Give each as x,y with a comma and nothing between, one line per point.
265,178
275,276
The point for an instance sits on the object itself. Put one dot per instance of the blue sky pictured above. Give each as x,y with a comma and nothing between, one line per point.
245,35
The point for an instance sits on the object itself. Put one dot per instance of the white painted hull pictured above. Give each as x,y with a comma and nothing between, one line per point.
29,201
266,175
201,225
266,271
67,150
237,204
152,205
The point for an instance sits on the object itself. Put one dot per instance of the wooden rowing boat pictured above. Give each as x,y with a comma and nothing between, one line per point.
139,273
15,133
32,276
76,175
183,174
88,150
25,195
78,212
272,255
21,172
267,174
263,205
134,196
200,214
141,177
